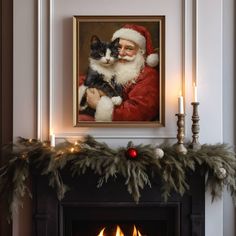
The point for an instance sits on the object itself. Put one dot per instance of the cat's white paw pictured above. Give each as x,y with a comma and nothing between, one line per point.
81,108
81,92
116,100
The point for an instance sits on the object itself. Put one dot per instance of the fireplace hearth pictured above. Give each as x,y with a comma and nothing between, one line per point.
86,210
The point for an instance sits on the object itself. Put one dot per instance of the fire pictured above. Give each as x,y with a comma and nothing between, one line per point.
101,233
120,233
136,232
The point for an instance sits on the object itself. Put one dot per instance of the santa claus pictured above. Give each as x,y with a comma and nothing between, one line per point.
136,73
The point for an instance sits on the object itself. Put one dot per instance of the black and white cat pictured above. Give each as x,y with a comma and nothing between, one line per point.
101,75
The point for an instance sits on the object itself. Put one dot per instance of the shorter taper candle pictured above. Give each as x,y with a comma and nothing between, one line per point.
52,140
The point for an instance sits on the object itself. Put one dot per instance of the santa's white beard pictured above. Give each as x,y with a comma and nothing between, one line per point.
129,71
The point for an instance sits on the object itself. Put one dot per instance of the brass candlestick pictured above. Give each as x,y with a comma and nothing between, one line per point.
180,148
195,145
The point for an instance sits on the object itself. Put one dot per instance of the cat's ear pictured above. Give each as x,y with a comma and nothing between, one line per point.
116,42
94,39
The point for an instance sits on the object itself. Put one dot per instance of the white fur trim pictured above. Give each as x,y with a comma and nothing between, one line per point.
152,60
104,109
116,100
132,35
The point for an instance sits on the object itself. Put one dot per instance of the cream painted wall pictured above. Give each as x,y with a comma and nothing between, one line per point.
24,91
213,64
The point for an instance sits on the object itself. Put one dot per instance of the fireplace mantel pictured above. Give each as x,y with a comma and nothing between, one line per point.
49,214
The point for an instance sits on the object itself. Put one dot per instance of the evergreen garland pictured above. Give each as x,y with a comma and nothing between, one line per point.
19,158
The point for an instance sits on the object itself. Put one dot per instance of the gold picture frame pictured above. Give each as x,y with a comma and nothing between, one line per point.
84,27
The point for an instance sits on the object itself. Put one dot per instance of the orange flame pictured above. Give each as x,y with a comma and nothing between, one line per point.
120,233
101,232
136,232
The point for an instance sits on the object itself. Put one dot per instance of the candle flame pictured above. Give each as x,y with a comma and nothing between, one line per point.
51,132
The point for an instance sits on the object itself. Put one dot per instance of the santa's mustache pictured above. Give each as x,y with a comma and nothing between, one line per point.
127,58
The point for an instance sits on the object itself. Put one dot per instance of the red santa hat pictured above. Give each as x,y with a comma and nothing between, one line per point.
141,36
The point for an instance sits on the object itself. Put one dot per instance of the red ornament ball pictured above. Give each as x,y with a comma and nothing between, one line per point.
132,153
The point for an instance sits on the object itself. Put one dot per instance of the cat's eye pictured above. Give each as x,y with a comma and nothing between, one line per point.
114,54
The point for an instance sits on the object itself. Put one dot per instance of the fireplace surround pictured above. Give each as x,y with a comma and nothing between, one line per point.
86,208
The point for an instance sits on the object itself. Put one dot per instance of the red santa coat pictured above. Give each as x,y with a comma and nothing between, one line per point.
140,100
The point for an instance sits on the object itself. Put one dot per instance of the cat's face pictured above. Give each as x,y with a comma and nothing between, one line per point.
105,53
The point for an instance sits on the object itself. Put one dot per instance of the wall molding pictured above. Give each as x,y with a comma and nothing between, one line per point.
48,119
39,74
43,68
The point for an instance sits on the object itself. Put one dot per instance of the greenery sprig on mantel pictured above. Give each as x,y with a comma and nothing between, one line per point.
137,164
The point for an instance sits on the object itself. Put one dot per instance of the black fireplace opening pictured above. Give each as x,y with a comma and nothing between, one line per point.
86,210
108,219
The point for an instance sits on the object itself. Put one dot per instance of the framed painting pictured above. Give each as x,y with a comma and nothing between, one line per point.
119,71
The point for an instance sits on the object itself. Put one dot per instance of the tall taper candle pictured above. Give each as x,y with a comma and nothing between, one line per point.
181,104
195,92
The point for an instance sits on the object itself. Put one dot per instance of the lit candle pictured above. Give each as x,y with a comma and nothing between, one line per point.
52,139
181,104
195,92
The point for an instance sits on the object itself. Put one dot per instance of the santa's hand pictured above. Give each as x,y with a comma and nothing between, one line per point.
101,93
93,97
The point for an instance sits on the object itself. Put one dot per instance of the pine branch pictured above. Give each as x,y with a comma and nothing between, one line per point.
107,163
